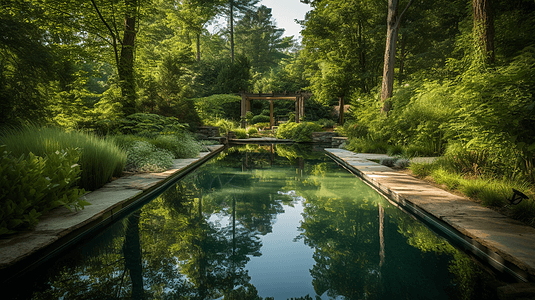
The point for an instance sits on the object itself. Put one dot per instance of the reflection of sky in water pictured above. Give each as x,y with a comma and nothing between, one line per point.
283,269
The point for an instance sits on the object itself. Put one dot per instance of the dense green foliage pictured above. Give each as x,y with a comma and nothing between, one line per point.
140,124
32,185
145,157
299,132
100,159
74,64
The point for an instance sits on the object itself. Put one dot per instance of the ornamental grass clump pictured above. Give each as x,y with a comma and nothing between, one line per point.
145,157
100,159
181,145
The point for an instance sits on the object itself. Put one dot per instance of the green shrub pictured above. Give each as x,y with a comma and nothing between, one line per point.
33,185
240,133
364,145
100,158
394,150
418,151
471,162
252,131
181,145
262,125
260,119
225,126
326,123
218,106
141,124
125,141
299,132
145,157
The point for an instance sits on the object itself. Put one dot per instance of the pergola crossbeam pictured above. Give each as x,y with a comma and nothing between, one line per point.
298,97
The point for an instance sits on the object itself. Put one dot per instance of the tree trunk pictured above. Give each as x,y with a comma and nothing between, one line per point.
126,61
484,27
198,47
341,111
393,20
231,31
362,56
132,256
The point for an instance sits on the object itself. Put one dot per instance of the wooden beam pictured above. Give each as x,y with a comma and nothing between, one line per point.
270,98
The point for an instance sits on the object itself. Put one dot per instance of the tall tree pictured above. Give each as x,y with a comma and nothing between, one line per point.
393,22
126,61
235,7
260,40
484,27
341,47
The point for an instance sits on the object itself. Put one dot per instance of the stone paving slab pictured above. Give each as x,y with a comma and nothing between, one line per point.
105,201
510,239
260,140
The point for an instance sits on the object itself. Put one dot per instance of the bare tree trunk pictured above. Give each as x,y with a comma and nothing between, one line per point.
393,20
484,27
126,60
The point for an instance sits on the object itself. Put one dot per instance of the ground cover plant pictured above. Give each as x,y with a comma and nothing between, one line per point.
32,185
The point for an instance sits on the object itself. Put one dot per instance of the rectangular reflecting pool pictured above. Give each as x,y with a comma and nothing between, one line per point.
263,222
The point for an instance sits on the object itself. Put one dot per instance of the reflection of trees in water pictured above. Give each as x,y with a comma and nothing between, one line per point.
353,237
171,248
344,238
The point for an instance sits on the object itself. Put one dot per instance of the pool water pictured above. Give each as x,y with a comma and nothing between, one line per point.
264,222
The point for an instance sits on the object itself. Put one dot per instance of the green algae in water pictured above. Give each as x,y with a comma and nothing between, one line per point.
266,222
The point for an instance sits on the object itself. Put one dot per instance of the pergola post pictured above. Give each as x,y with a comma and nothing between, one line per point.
302,106
243,109
341,111
297,110
271,123
298,97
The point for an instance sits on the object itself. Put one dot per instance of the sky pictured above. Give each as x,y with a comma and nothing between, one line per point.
283,12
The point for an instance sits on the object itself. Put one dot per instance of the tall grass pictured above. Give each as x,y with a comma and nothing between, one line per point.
100,158
492,192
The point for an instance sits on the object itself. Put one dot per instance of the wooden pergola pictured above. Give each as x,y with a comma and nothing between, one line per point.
299,98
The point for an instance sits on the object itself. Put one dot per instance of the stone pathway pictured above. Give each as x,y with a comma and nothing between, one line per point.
507,243
61,225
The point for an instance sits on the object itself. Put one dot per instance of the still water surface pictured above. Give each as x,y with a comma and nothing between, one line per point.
265,222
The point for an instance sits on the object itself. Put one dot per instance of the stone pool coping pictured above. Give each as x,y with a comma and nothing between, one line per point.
507,243
59,227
